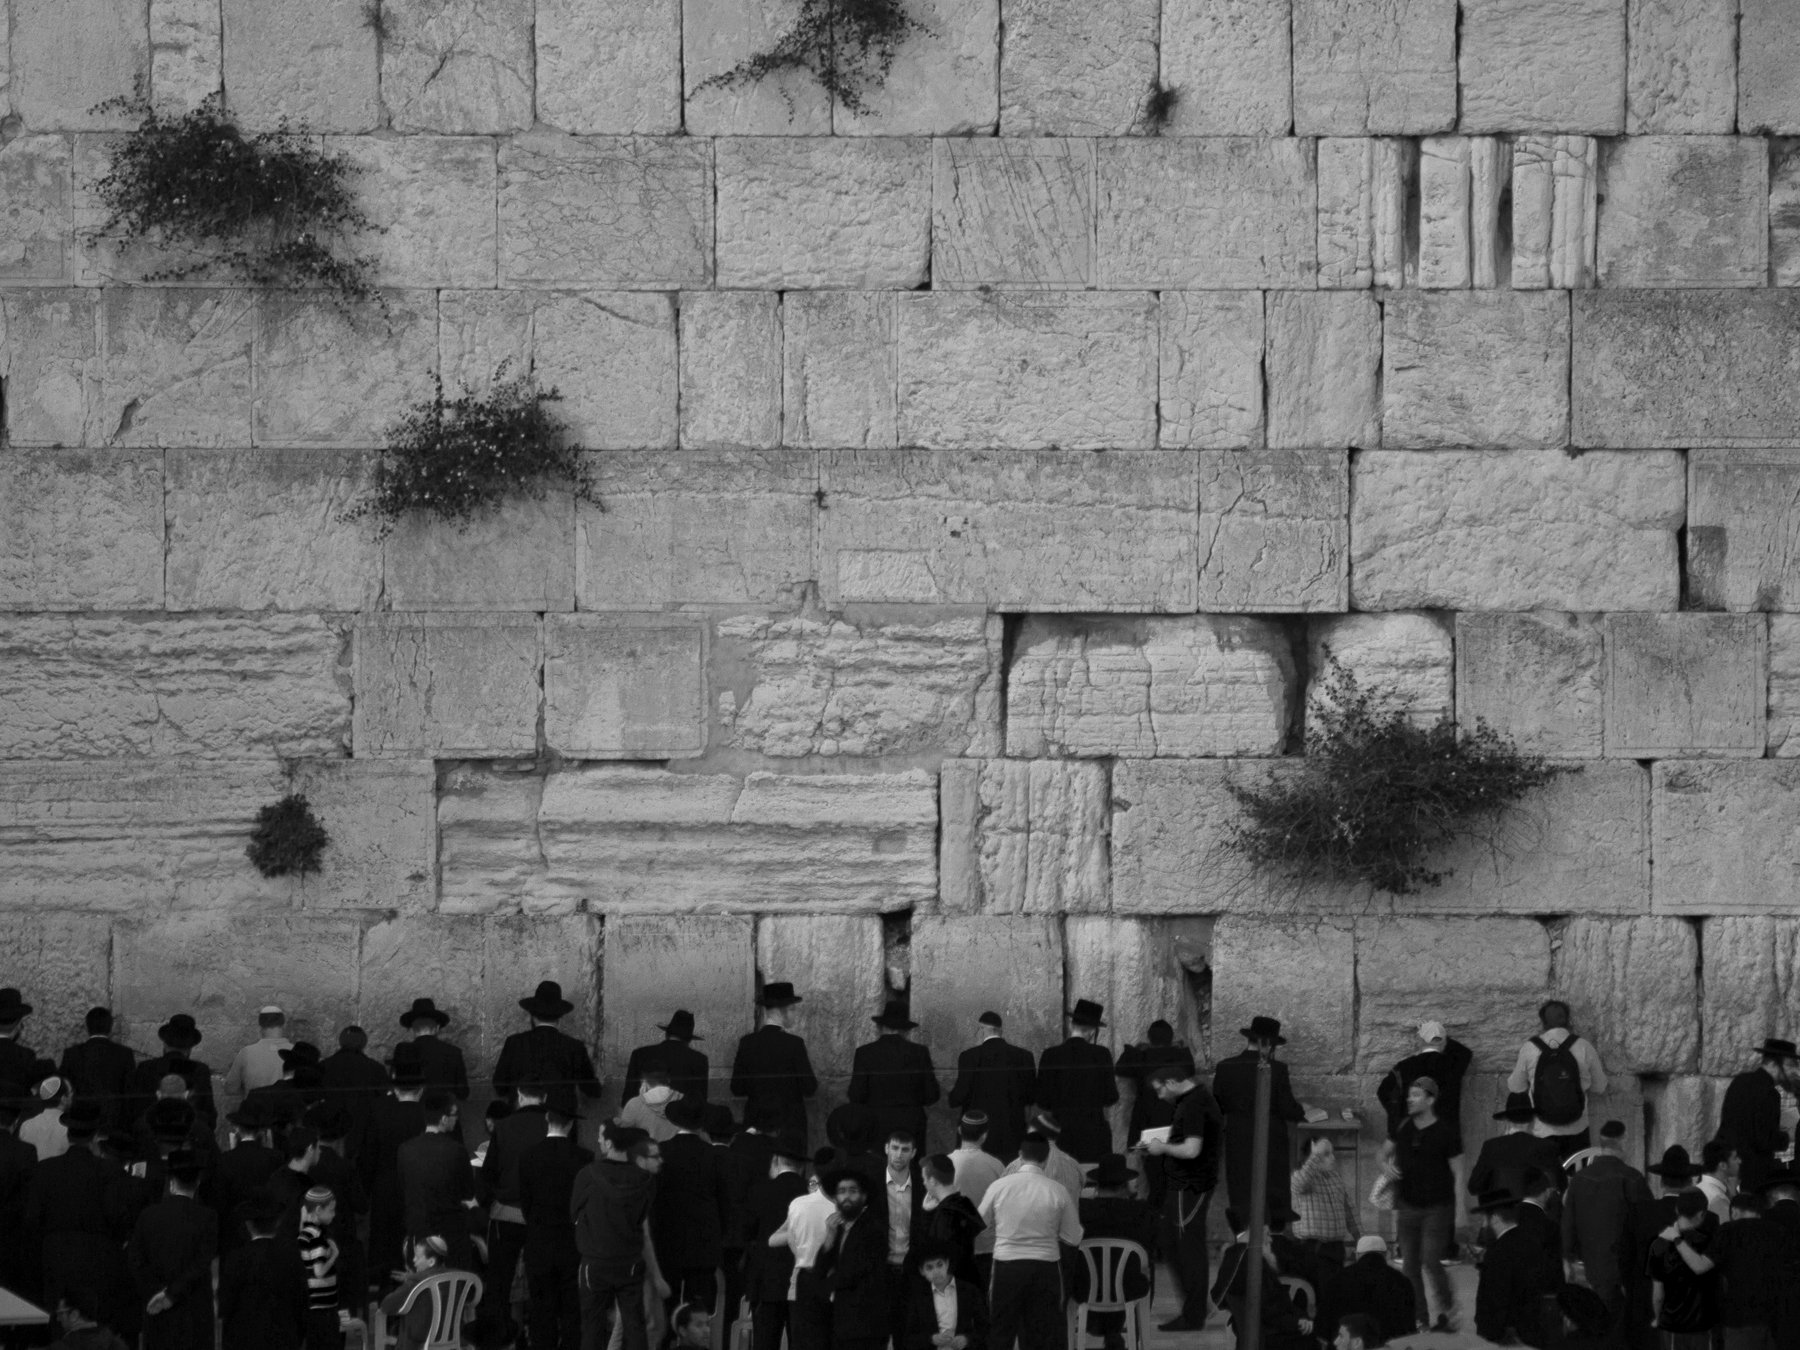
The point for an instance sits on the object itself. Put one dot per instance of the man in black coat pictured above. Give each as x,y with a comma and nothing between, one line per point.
998,1079
442,1062
691,1208
509,1139
1076,1083
262,1287
545,1054
353,1080
547,1173
437,1184
100,1068
243,1171
854,1267
771,1071
893,1077
393,1120
77,1215
1234,1088
287,1098
934,1296
17,1064
19,1266
1444,1060
1506,1158
1509,1300
1372,1287
171,1253
1605,1208
1750,1119
674,1055
768,1270
179,1035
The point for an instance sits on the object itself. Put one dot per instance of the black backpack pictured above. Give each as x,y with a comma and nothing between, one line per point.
1556,1085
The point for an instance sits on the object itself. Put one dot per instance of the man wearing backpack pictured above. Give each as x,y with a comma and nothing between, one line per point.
1558,1069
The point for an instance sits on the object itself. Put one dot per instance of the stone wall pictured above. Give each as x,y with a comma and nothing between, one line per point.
981,482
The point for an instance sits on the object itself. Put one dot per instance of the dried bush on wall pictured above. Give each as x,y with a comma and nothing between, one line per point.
848,45
288,838
1157,109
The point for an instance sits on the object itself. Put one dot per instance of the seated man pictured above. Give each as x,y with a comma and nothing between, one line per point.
1368,1287
1111,1212
1282,1326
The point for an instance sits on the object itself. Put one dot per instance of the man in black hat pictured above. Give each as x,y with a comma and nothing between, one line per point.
545,1054
352,1079
243,1170
18,1260
1148,1111
393,1120
941,1310
1510,1298
1190,1159
610,1206
298,1087
1506,1158
854,1266
442,1061
769,1271
179,1036
999,1080
1234,1088
691,1208
514,1135
1603,1207
547,1173
893,1077
1076,1083
771,1071
437,1184
1750,1119
1113,1212
100,1068
262,1286
16,1062
171,1253
76,1214
685,1067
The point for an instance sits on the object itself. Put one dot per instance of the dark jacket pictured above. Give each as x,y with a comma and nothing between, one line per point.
443,1064
1445,1067
242,1171
1690,1299
511,1138
1135,1063
262,1297
955,1223
1368,1285
855,1270
547,1175
100,1068
609,1205
435,1179
1280,1318
999,1079
774,1075
356,1082
688,1215
1505,1159
1750,1121
171,1250
919,1324
686,1067
893,1078
17,1063
1234,1087
141,1086
746,1161
1601,1222
18,1258
1513,1282
548,1056
1076,1083
1113,1216
1756,1260
767,1269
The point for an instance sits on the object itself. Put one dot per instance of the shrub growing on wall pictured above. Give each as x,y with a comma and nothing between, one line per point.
847,45
288,839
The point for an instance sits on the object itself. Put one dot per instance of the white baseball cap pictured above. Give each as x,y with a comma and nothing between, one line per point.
1432,1031
1370,1243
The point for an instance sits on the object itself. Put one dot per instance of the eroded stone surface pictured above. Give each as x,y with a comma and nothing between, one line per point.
965,965
1009,212
840,383
51,363
609,68
944,80
186,55
1137,970
1406,659
1631,985
432,200
1024,837
447,684
36,187
1784,213
488,855
459,66
1749,990
1537,677
1490,238
61,962
1323,359
1077,70
1302,974
1274,530
621,686
1683,72
1362,212
319,380
174,367
1741,529
703,963
1476,368
1555,208
716,35
1210,374
1543,65
1684,211
1768,83
837,963
1784,684
81,531
518,554
68,56
730,347
314,64
1686,684
1229,60
1387,67
1724,837
1444,198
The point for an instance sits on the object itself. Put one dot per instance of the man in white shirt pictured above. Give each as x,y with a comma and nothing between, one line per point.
1060,1166
976,1170
1570,1136
805,1233
259,1063
1031,1217
45,1131
1718,1169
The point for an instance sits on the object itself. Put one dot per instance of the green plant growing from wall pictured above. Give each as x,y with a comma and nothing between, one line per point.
848,45
288,839
448,458
1378,797
272,209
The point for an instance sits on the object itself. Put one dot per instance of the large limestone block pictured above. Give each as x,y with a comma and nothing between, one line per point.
730,346
50,359
629,213
81,530
1686,1108
795,685
1210,381
1784,684
1445,194
1543,65
1229,61
322,378
1724,837
609,68
518,554
36,186
716,36
60,963
944,80
1501,530
1227,213
1768,80
818,213
964,966
1023,837
186,53
702,527
1362,213
1556,203
1323,359
703,963
839,381
488,854
1077,70
1012,212
214,687
1749,989
1684,211
1138,970
1741,519
1075,372
1476,368
1538,678
464,67
174,367
382,819
448,684
1686,684
1055,530
1633,988
624,686
1303,974
1274,531
1482,978
1148,687
430,201
1365,68
1683,71
313,64
838,964
1784,213
1405,660
68,56
1678,369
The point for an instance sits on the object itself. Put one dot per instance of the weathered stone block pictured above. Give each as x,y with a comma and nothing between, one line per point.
838,963
60,963
1686,684
716,35
448,684
464,67
944,80
1490,239
1362,211
1444,198
1077,70
1633,989
1784,213
1137,970
813,213
1515,531
1784,684
174,367
1012,212
1210,370
207,688
81,531
964,966
1148,687
1476,368
1274,531
1749,989
1229,59
1538,678
1768,83
1660,368
706,527
51,364
186,54
631,213
516,555
488,856
1023,837
432,199
37,184
1027,371
321,381
704,963
1684,211
68,56
1404,659
1556,204
1323,359
1231,213
840,383
382,820
1543,65
621,686
1302,974
1741,516
1362,68
1683,70
1724,837
1685,1108
315,65
855,684
611,68
1056,530
730,347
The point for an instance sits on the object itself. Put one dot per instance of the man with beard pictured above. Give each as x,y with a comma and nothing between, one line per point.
854,1267
1750,1119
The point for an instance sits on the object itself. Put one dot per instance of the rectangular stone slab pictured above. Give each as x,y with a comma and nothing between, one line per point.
1539,678
1724,836
448,684
837,963
1303,974
81,531
1274,531
1632,986
624,686
1749,988
1686,684
1741,518
61,964
1023,836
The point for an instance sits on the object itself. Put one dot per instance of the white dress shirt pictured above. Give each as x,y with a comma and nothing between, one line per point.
808,1230
944,1301
976,1170
1030,1216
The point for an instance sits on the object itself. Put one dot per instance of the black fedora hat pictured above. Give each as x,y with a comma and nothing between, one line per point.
301,1055
793,1148
1087,1013
894,1017
548,1002
424,1007
686,1113
12,1005
1773,1047
1781,1174
1518,1108
1263,1029
255,1114
82,1118
778,994
1495,1198
680,1027
179,1032
1675,1165
1111,1171
186,1165
169,1119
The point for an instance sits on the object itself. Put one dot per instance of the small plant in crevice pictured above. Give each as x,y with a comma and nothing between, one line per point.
1157,109
271,209
1377,797
448,458
848,45
288,839
375,19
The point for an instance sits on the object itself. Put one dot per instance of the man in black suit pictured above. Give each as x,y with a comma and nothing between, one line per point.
171,1253
1369,1286
179,1035
393,1120
689,1213
1506,1158
100,1068
77,1215
771,1071
437,1184
1148,1111
16,1062
298,1087
1604,1210
509,1139
353,1080
1509,1300
545,1054
1750,1118
1540,1190
941,1312
243,1171
999,1080
441,1061
854,1266
262,1287
1076,1082
547,1173
18,1259
1234,1088
769,1270
674,1055
893,1077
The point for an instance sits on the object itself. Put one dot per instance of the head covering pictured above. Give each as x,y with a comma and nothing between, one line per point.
778,994
1774,1048
1263,1029
82,1118
1432,1031
930,1249
262,1210
1518,1108
1112,1171
301,1055
169,1119
319,1195
1613,1129
1045,1123
547,1002
255,1114
185,1165
1370,1242
12,1005
1495,1198
680,1027
1427,1082
427,1009
894,1017
686,1113
1675,1165
330,1119
990,1019
793,1148
828,1183
49,1087
179,1032
270,1010
716,1119
1087,1013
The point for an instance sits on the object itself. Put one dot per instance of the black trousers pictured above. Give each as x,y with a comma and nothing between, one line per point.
768,1319
1182,1233
809,1313
552,1274
506,1242
1026,1301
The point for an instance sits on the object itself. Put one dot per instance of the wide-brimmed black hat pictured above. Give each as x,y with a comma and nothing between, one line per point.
179,1032
424,1007
301,1055
255,1114
1263,1029
1496,1198
330,1119
1675,1165
169,1119
1781,1174
12,1005
1087,1013
779,994
894,1016
680,1027
851,1127
81,1117
1518,1108
793,1148
185,1165
686,1113
261,1209
1111,1171
1773,1047
548,1002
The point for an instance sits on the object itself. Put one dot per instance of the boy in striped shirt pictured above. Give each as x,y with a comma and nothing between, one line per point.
319,1256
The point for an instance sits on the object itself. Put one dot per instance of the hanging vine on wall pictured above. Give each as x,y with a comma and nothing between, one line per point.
1377,797
848,45
288,839
272,209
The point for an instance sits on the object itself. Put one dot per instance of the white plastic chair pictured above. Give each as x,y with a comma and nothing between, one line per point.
1107,1260
1301,1291
1576,1161
454,1295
